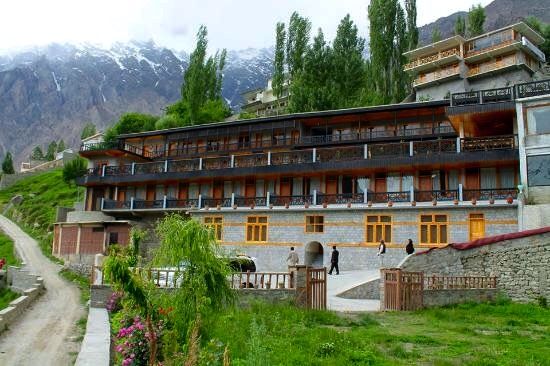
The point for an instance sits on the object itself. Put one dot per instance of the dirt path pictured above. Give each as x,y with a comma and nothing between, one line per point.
42,335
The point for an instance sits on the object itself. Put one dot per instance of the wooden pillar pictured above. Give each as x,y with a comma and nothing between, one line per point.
59,240
77,251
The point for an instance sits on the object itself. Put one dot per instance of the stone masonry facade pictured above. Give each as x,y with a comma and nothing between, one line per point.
522,266
346,229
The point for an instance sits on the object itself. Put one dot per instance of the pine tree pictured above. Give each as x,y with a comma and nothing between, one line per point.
460,26
52,149
476,19
7,164
279,61
349,66
297,43
61,146
436,34
88,130
37,153
412,30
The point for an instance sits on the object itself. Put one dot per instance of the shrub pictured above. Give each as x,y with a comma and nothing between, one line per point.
325,349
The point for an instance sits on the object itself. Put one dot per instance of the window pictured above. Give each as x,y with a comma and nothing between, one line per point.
113,238
538,170
256,229
215,223
378,228
433,229
315,224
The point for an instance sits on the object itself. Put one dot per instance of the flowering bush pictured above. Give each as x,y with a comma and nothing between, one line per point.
132,343
113,304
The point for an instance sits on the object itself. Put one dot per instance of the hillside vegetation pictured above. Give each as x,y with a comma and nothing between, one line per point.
7,251
41,195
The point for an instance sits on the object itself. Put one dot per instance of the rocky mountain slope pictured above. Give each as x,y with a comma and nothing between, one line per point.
50,93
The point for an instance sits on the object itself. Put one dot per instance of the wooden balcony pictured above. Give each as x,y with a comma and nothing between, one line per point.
435,60
437,76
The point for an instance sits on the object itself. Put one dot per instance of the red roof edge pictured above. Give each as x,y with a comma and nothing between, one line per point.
491,240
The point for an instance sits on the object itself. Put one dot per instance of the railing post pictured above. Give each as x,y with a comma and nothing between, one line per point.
102,203
460,192
314,197
131,203
103,170
412,193
164,202
200,163
268,198
458,145
411,148
314,155
166,166
480,97
232,161
133,168
200,201
232,199
365,151
269,158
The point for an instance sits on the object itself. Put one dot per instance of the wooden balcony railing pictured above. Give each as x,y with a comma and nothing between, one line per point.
438,195
383,197
432,58
182,203
392,149
215,202
250,201
292,157
492,65
262,280
342,198
291,200
489,143
485,194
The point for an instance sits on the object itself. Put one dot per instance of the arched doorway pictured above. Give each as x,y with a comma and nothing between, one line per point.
314,254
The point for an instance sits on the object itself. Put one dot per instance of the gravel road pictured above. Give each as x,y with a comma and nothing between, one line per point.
46,333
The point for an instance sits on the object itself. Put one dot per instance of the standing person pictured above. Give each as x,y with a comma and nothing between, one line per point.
334,261
292,259
381,252
410,247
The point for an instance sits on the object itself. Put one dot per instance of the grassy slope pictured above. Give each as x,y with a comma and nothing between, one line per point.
485,334
7,296
41,195
7,250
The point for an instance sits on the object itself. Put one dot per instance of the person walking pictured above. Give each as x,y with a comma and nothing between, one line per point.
410,247
381,252
334,261
292,259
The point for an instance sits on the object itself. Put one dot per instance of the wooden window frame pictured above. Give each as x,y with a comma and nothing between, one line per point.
433,222
480,216
374,225
211,222
257,225
316,226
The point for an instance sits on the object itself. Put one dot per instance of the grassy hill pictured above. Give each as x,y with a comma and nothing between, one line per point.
42,194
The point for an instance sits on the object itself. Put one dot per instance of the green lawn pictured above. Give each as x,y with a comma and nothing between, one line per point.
41,193
7,251
7,296
485,334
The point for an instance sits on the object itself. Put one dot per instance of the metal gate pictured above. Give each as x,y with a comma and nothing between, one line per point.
402,290
316,287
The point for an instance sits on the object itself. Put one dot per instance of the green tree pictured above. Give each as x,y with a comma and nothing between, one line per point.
400,79
130,123
7,164
436,34
201,271
52,149
74,169
412,30
37,153
169,121
297,42
544,30
61,146
460,26
476,19
349,66
88,130
279,61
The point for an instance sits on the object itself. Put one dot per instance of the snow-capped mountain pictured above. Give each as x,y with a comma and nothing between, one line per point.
49,93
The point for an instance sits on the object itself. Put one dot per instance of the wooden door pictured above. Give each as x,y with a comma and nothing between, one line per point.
477,226
285,188
250,188
331,184
150,193
218,190
121,195
380,185
472,179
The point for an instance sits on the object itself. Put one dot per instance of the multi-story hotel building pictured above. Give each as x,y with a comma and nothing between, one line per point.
500,58
436,172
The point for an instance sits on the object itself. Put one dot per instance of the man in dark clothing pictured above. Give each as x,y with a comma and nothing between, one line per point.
334,261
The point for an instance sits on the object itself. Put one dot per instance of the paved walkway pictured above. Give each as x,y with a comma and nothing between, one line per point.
97,341
344,281
41,335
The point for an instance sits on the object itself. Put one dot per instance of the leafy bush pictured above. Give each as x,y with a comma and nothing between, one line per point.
132,343
75,168
325,349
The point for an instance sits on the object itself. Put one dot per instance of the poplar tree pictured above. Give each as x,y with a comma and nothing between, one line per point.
476,19
400,80
460,26
279,61
7,164
436,34
299,29
412,30
349,66
52,149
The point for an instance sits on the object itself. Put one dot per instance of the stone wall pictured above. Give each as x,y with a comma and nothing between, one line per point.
29,287
457,296
522,266
246,297
369,290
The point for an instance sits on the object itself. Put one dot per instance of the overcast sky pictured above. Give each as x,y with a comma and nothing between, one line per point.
233,24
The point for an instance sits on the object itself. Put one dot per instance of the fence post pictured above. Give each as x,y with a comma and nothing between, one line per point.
365,151
314,197
200,201
269,158
232,161
314,155
411,148
460,197
133,168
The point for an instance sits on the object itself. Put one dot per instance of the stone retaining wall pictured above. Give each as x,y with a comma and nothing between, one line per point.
522,266
19,305
457,296
273,296
369,290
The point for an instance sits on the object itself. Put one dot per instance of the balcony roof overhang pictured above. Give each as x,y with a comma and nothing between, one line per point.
520,27
483,119
435,47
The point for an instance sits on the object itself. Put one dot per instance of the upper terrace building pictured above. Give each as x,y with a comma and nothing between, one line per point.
436,172
264,103
500,58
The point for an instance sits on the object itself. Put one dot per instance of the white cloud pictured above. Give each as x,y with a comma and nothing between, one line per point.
232,24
